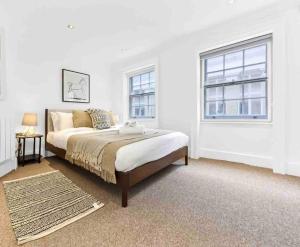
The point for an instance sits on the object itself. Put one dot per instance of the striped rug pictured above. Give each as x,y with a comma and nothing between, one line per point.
41,204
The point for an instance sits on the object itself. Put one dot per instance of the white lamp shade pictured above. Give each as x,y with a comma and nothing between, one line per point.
29,119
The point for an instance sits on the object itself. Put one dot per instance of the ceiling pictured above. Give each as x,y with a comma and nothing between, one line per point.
119,28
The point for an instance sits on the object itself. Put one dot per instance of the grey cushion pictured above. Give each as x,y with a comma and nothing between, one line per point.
100,118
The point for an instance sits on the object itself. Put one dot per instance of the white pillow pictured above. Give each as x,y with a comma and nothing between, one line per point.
55,121
65,120
62,120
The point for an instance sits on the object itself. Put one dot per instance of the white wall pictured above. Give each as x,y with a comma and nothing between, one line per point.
292,105
272,145
34,59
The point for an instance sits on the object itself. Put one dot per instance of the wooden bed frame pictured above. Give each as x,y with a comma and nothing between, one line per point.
125,180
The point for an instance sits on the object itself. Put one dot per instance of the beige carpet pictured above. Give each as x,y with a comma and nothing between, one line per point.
208,203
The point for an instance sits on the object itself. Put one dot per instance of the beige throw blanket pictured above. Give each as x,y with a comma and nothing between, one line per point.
97,151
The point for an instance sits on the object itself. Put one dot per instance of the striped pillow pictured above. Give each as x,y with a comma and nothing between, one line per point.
100,118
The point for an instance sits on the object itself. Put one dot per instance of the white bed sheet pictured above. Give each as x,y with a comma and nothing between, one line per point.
132,155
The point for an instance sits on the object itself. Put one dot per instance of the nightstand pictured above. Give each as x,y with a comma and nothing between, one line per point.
22,158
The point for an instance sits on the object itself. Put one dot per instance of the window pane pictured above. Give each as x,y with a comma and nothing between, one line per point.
255,55
152,79
136,80
233,60
214,78
233,107
211,108
257,106
144,100
214,64
148,89
214,108
136,88
145,86
234,75
152,111
145,78
135,83
220,108
151,88
255,71
135,101
151,99
142,111
256,89
233,92
135,111
214,93
245,107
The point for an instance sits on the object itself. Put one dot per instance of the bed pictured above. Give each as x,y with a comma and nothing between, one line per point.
134,162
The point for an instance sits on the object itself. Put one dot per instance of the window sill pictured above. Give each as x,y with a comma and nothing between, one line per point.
222,121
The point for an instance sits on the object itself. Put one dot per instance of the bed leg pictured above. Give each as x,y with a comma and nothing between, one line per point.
186,160
186,157
124,197
124,185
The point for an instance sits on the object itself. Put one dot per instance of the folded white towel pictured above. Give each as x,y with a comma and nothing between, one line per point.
137,129
131,124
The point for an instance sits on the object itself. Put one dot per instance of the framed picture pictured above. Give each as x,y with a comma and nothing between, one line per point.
75,86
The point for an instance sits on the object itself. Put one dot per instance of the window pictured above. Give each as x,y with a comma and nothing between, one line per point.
142,94
235,80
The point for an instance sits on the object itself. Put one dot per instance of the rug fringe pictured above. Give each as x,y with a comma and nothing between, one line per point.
38,175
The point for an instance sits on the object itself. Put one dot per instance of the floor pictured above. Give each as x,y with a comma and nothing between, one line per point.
208,203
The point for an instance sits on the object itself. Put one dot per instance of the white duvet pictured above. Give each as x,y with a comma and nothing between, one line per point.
132,155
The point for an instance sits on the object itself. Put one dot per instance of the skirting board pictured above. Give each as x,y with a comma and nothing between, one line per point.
7,166
249,159
293,169
48,154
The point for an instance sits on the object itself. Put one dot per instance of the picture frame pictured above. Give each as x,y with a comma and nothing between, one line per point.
75,86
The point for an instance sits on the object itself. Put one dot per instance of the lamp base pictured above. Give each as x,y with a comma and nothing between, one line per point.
29,131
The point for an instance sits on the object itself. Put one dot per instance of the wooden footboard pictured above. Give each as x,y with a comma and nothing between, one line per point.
128,179
125,180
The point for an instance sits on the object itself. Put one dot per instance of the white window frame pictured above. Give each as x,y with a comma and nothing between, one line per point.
136,70
238,45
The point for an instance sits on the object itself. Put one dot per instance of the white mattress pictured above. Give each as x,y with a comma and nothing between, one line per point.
132,155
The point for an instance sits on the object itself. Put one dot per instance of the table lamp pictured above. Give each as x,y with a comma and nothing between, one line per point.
29,120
